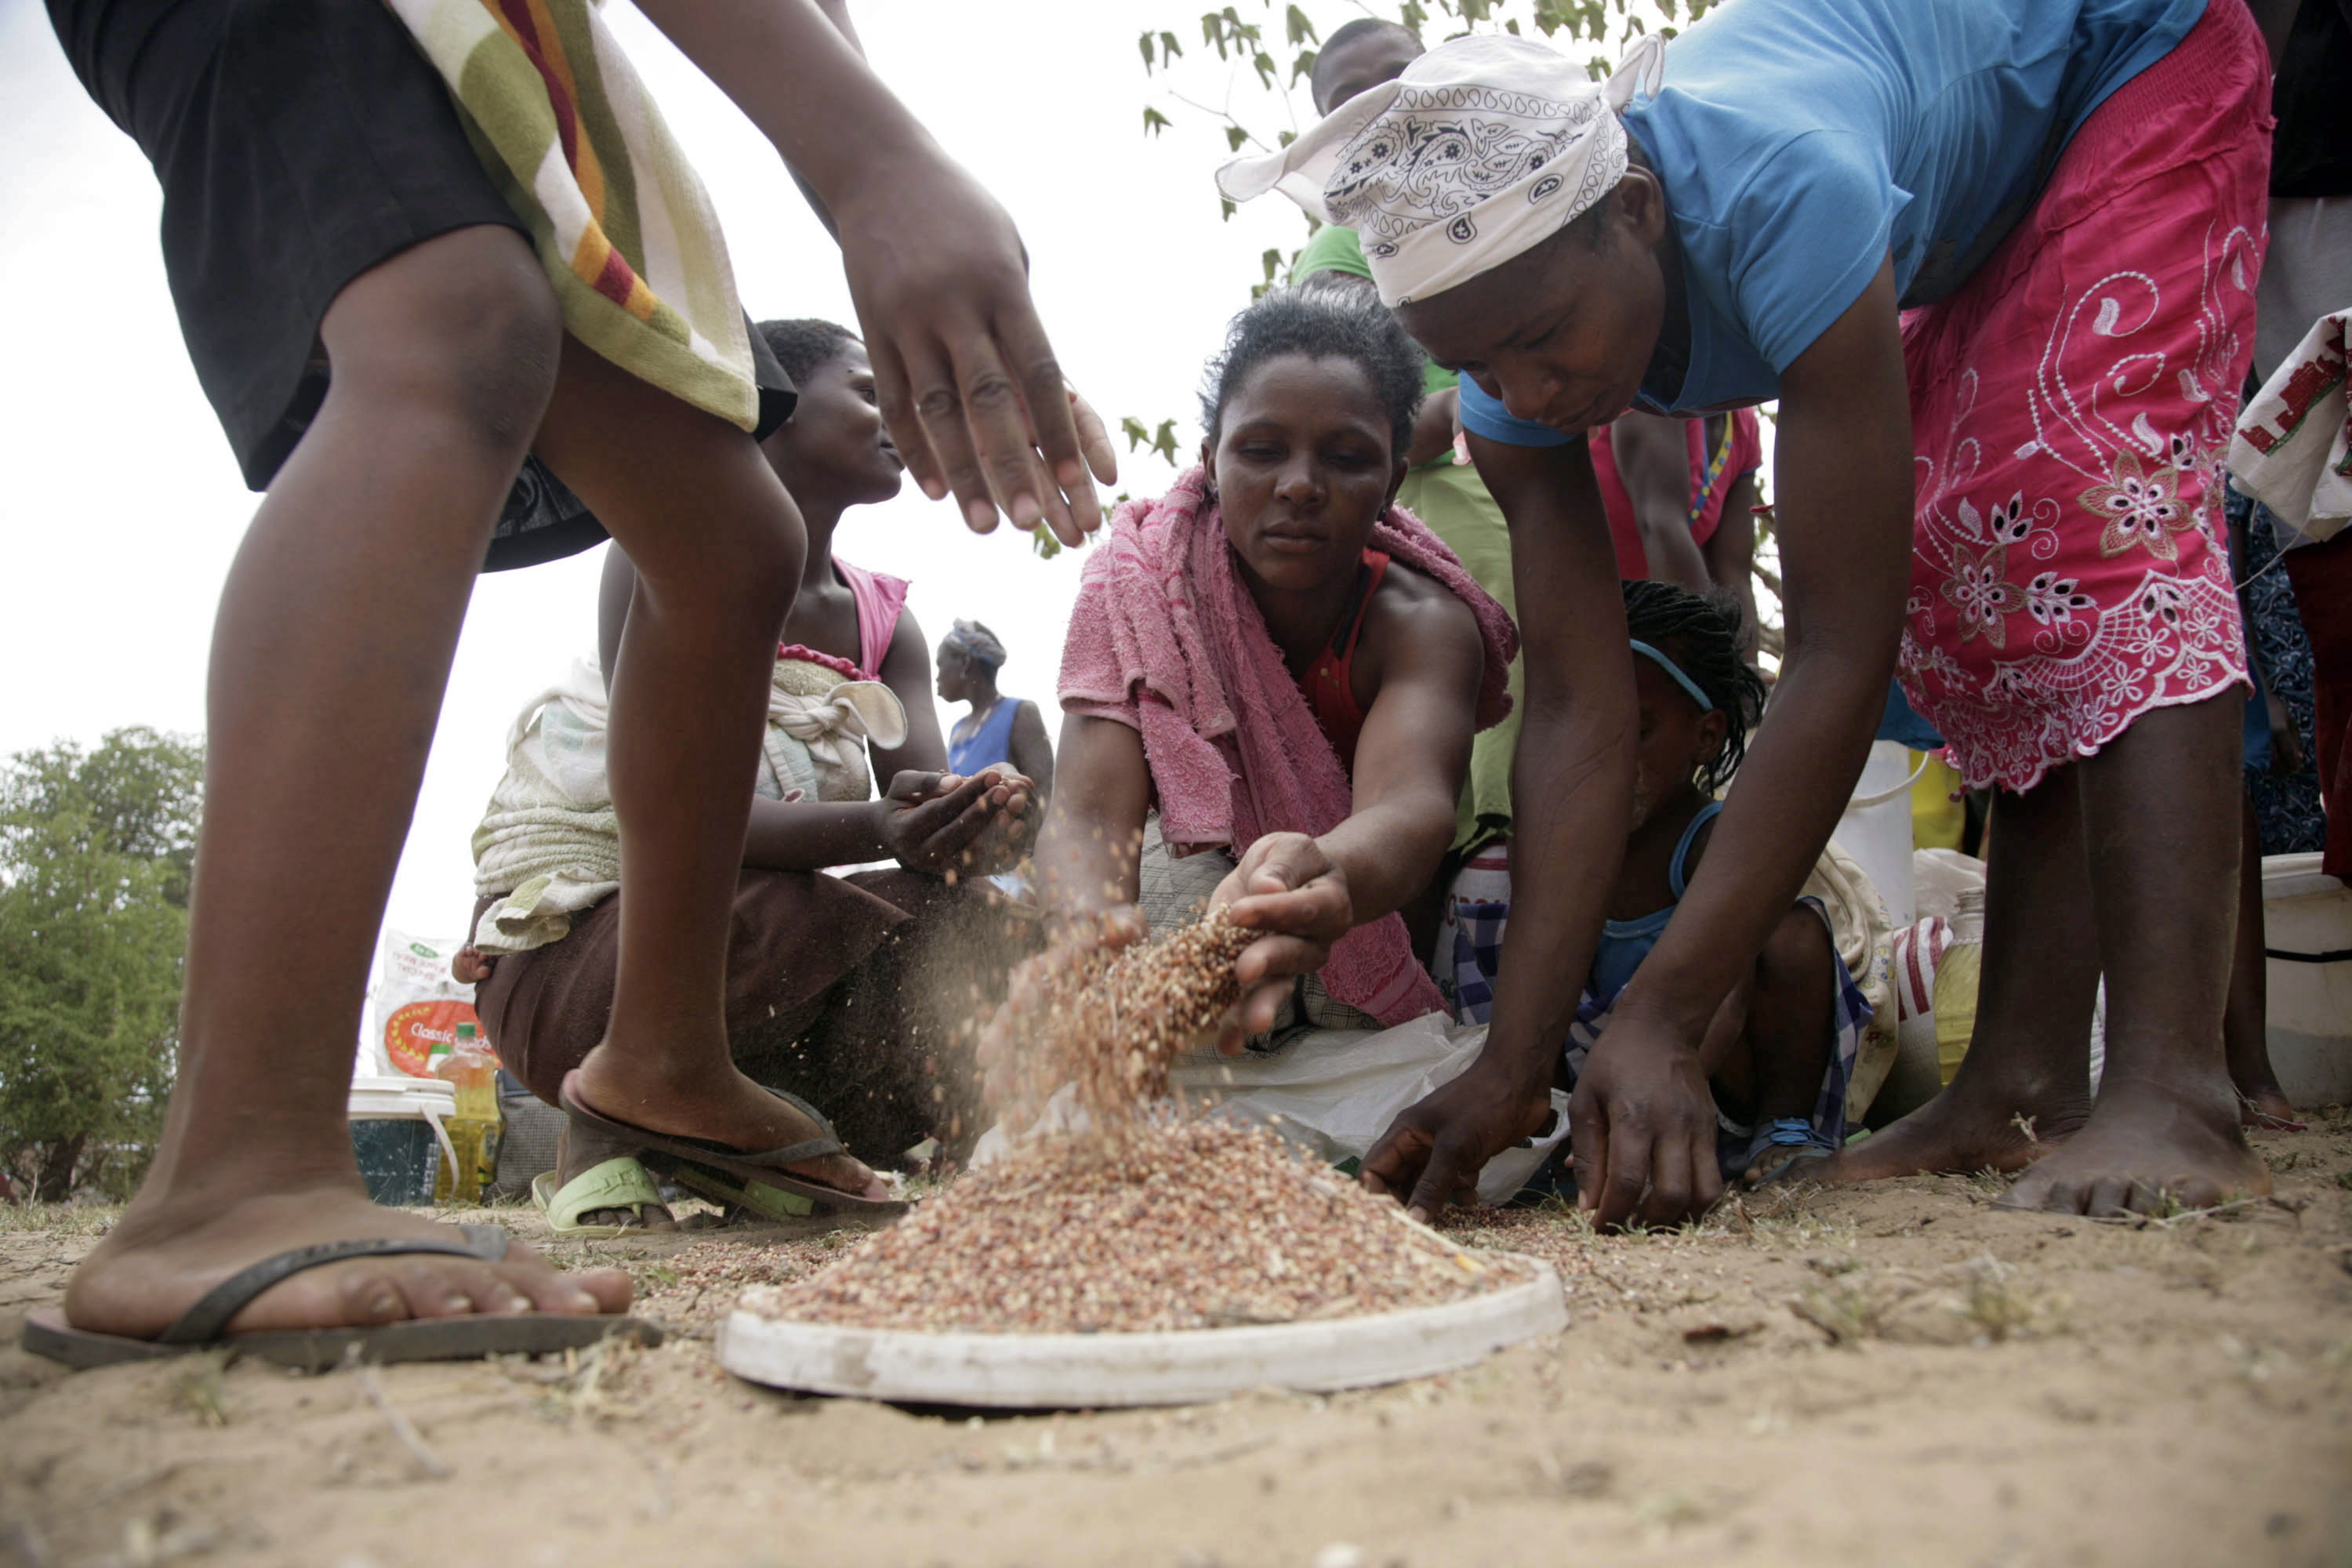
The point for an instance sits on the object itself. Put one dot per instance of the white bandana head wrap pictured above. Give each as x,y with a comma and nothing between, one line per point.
1483,148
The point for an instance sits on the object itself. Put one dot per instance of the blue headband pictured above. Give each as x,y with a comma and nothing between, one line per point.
1706,704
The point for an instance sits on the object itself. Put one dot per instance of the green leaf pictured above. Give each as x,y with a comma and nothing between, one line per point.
1145,44
1154,122
1234,137
1164,443
1266,71
1042,541
1302,64
1133,429
1284,139
1168,48
1273,260
1225,208
1412,15
1297,28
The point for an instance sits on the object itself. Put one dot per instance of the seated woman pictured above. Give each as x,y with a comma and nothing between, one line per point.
1287,667
816,998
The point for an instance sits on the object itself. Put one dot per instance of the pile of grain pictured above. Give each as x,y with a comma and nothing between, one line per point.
1137,1221
1180,1225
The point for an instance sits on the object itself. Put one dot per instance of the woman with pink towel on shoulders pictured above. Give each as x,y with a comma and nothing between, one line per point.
1285,669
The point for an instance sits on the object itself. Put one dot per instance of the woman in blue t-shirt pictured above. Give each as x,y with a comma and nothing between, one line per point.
1995,258
999,729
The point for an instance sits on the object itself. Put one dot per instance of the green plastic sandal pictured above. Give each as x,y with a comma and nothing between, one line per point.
620,1183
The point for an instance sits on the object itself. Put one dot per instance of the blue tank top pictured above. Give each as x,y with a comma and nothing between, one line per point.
1625,943
991,743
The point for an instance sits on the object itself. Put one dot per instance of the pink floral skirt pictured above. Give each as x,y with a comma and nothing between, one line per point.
2070,407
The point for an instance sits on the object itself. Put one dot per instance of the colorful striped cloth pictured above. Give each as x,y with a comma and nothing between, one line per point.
621,223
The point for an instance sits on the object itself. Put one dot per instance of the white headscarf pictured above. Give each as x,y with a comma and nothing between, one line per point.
1483,148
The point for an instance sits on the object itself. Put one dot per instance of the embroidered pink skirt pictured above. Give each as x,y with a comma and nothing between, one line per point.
2070,407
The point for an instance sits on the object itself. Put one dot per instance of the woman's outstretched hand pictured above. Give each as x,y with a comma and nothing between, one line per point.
968,382
1641,1130
1286,887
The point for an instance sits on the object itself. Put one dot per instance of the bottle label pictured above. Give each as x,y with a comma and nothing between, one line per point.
417,1036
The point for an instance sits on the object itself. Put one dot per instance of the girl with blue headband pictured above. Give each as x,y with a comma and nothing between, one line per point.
1780,1053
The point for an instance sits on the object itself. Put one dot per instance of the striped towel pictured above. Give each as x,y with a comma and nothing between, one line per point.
622,225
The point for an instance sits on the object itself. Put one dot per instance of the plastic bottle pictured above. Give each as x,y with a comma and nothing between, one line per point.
1955,984
473,1130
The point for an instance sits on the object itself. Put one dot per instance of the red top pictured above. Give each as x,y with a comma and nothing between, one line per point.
1329,682
1715,467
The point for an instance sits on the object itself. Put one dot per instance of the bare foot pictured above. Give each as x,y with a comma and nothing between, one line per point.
163,1256
729,1110
1971,1126
2266,1108
583,1149
2147,1146
2263,1105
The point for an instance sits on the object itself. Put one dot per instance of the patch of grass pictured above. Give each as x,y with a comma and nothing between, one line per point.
1847,1313
1994,1304
59,1219
197,1388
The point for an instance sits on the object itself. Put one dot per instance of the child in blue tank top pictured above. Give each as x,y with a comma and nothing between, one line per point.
1782,1050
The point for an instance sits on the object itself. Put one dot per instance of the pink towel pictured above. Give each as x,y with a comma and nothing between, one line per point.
1165,639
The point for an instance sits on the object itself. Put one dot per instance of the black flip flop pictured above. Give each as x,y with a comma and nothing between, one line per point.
47,1333
766,1166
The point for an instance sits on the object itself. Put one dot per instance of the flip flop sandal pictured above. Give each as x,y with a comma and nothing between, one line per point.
766,1167
47,1333
772,1203
1781,1147
619,1183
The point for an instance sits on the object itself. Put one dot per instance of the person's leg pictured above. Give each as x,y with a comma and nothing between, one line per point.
330,655
718,549
2261,1101
1789,1035
2160,814
2025,1081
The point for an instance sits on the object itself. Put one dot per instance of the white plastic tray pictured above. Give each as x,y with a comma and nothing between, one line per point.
1183,1367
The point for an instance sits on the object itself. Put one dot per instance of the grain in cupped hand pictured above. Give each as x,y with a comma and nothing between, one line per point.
1128,1218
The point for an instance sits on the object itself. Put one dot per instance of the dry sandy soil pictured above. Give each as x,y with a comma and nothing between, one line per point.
1897,1375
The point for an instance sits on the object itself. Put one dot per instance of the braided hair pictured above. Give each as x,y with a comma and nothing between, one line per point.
1702,636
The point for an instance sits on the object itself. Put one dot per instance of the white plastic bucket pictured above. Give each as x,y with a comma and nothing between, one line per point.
2307,936
1877,828
395,1175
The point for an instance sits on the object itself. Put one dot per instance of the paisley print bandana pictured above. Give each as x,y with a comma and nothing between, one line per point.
1483,148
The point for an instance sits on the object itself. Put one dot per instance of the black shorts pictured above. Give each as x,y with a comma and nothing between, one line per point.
298,143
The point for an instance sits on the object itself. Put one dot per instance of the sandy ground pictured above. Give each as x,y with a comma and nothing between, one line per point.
1897,1376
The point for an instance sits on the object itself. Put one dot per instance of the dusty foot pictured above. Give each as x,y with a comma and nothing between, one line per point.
731,1111
1967,1127
2263,1105
585,1148
2147,1146
2266,1110
164,1255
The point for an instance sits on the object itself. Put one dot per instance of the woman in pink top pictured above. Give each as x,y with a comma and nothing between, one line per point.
1681,495
818,1000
